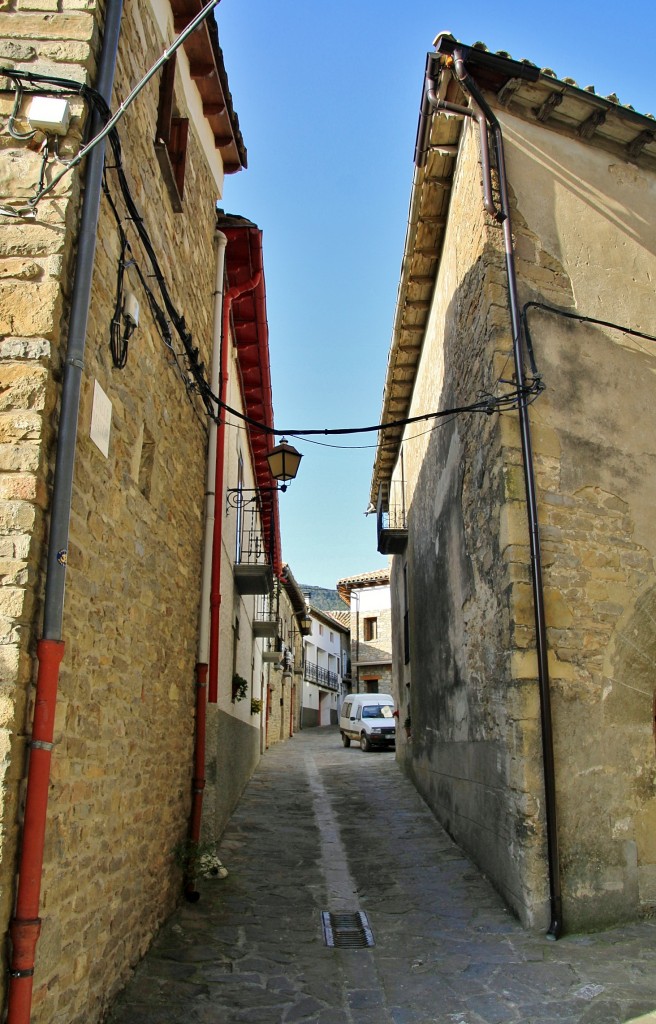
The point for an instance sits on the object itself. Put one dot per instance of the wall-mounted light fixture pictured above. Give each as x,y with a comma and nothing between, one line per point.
283,461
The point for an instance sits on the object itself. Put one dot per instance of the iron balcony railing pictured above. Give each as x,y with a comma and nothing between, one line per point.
252,567
265,620
322,676
391,518
251,545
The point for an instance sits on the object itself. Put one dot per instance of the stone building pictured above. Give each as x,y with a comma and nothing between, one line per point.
522,530
114,328
369,600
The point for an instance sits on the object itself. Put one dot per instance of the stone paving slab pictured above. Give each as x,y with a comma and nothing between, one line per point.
447,951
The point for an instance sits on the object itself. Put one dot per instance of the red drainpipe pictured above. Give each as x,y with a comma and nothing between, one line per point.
215,592
26,924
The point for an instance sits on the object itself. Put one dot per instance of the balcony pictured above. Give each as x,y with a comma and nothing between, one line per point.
252,569
274,652
391,518
321,676
266,624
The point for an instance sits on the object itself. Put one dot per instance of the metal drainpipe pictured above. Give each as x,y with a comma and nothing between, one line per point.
26,924
503,215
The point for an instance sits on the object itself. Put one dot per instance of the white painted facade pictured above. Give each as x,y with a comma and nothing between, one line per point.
323,671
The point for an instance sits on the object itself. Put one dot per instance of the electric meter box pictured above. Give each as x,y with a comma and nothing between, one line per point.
50,114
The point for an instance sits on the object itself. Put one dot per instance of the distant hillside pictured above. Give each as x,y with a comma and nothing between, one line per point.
322,598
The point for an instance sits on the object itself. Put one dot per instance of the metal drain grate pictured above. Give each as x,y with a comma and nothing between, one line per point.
347,931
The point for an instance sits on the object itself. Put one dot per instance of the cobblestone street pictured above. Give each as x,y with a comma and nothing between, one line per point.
323,828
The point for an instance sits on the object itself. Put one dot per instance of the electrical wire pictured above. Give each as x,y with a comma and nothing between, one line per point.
569,315
119,356
118,335
197,382
486,403
115,118
13,131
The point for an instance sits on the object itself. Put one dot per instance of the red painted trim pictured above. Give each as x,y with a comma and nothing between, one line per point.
252,342
246,300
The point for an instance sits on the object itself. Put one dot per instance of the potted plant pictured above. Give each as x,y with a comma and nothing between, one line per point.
407,725
239,687
256,705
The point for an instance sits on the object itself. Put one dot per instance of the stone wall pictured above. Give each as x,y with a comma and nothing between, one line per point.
594,431
475,751
372,659
122,765
474,740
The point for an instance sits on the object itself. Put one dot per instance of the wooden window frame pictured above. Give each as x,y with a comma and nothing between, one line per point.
370,627
171,138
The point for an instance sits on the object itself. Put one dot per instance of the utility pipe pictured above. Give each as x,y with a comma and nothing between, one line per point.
434,101
25,925
215,588
503,215
198,781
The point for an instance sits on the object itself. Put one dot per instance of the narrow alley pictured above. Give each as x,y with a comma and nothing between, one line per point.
322,829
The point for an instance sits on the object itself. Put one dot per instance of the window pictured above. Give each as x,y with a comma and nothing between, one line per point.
320,630
371,629
171,137
332,637
377,711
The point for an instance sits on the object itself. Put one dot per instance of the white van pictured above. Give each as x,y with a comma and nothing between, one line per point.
369,719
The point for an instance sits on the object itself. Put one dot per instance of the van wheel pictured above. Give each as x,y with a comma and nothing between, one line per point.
364,742
345,740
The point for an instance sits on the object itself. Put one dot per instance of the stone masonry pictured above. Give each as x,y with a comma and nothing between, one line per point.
121,776
475,750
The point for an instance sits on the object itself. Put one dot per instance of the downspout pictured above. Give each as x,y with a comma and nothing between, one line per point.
26,924
198,782
435,99
215,588
481,107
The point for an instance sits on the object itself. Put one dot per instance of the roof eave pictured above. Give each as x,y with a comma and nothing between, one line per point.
208,71
531,94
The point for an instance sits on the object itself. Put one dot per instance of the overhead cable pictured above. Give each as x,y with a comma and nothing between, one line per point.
487,403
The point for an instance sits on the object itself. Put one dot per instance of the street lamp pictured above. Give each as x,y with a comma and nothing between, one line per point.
284,461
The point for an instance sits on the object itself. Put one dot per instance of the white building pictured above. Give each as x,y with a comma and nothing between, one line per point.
324,667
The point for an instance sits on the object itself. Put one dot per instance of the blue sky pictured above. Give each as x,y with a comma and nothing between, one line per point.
328,97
